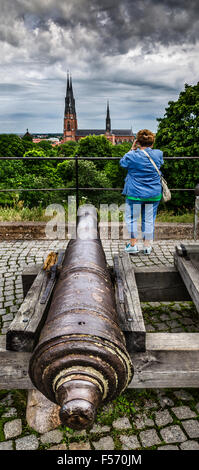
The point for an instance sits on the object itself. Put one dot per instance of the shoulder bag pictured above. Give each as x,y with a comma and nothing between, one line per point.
166,193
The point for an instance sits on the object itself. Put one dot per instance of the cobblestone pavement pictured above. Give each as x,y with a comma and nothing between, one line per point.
139,419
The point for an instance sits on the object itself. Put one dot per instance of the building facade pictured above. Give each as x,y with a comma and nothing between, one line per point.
71,131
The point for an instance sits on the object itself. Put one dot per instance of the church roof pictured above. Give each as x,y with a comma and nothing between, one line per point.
116,132
122,132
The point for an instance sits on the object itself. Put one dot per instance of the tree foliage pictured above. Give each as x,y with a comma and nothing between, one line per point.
89,177
93,147
68,149
178,136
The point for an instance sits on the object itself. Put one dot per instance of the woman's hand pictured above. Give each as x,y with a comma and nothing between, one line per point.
135,145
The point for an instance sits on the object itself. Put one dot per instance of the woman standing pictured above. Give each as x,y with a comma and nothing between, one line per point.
142,188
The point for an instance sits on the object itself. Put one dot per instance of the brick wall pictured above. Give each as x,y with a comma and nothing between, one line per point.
36,230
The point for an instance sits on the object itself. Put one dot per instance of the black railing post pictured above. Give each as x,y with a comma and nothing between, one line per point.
77,182
196,218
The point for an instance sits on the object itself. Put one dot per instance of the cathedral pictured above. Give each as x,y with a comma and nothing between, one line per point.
71,131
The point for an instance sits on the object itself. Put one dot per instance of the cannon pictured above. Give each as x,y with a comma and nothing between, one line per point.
81,358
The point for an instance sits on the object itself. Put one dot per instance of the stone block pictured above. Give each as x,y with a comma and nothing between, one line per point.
122,423
183,412
41,414
58,447
163,417
149,438
53,437
172,434
79,446
6,445
13,428
169,447
192,428
129,442
142,421
27,443
105,443
190,445
99,429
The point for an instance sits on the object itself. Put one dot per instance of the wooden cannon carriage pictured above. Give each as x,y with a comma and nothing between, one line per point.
160,360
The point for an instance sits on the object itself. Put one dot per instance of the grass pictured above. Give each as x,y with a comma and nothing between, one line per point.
15,214
37,214
169,216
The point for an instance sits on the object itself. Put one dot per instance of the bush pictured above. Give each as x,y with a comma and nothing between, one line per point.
89,176
178,136
95,146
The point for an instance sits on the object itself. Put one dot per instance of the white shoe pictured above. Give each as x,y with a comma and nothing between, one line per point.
132,250
147,250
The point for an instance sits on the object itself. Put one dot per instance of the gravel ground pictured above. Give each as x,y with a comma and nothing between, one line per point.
139,419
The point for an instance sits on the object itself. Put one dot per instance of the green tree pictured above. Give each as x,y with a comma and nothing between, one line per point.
45,145
113,168
68,149
10,146
39,174
89,177
95,146
178,136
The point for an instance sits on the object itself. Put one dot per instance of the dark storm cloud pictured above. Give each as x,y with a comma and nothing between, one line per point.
138,54
119,25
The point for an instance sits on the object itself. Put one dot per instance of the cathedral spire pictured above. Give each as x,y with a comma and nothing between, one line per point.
70,118
108,119
69,100
72,96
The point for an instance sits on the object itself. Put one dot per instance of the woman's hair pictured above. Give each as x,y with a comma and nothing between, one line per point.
145,137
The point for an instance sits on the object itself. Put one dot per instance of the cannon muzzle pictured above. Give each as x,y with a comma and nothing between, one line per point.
81,359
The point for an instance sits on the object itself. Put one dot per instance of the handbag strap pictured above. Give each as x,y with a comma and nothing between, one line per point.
153,163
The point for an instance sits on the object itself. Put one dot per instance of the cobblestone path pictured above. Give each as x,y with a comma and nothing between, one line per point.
139,419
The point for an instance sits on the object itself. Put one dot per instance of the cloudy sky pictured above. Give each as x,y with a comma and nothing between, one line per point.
138,54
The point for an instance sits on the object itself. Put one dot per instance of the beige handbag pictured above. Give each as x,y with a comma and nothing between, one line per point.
166,193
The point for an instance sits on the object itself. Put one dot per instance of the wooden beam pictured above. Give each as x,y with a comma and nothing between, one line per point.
154,283
189,271
25,328
28,276
191,249
172,341
128,304
14,369
160,284
170,361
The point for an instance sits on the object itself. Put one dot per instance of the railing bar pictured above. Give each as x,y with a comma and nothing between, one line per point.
80,189
77,181
86,158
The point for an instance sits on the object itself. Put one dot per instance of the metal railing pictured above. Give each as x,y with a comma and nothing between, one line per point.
77,188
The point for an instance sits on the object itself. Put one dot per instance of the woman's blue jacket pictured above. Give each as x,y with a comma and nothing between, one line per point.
142,180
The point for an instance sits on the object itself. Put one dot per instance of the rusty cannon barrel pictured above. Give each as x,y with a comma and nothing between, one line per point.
81,360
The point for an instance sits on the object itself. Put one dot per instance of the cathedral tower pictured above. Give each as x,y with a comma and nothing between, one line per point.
70,118
108,119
